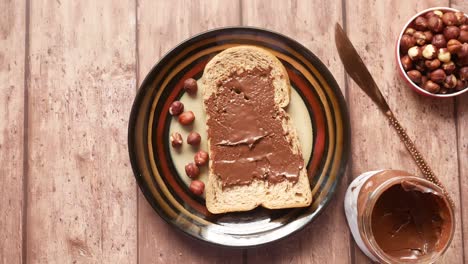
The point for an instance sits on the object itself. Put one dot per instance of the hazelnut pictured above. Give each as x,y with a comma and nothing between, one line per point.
450,81
449,19
420,66
444,55
434,13
201,158
192,170
460,85
415,53
420,23
176,108
429,52
435,24
419,37
454,46
186,118
429,36
463,38
406,62
193,138
176,140
438,76
463,52
424,80
449,67
431,87
197,187
461,18
432,64
406,42
414,76
451,32
410,31
439,41
462,61
190,86
463,74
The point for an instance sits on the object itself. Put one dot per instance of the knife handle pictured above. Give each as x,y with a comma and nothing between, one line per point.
422,164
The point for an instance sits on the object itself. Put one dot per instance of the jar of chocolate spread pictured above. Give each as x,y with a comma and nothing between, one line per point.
399,218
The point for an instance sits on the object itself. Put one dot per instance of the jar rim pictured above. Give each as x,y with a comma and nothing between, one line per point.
366,226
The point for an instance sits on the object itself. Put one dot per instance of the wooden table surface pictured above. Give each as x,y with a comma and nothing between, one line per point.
69,71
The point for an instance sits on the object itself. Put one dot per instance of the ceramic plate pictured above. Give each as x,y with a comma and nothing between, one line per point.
317,108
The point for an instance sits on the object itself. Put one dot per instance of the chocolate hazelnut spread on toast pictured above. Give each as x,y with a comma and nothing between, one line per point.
245,128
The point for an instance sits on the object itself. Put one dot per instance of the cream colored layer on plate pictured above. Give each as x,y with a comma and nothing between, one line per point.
297,110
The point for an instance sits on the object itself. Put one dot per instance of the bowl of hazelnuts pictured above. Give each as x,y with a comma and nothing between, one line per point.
432,52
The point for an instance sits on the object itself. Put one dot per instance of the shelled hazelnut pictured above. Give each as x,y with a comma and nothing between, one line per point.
450,81
176,140
444,55
410,31
429,36
407,63
435,24
434,51
460,85
451,32
415,76
419,37
439,41
454,46
463,38
193,139
438,76
429,52
190,86
449,67
176,108
432,64
449,19
201,157
420,23
406,42
431,87
186,118
197,187
192,170
415,53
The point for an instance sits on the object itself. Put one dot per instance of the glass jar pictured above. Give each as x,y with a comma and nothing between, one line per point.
399,218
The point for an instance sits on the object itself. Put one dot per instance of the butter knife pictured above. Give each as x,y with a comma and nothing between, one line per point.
358,71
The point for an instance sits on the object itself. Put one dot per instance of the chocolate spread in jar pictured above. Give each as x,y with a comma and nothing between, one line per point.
409,221
247,139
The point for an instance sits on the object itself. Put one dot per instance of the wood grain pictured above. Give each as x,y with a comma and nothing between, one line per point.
12,43
161,25
429,122
462,140
311,23
82,193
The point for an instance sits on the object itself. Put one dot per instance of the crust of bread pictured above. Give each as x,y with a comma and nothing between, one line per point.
259,193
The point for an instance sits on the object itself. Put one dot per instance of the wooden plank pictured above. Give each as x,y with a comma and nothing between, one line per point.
161,25
462,132
82,193
12,41
311,23
429,122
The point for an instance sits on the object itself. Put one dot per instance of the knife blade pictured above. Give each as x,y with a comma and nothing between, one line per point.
357,70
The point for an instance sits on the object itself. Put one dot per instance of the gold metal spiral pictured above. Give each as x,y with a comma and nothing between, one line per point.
422,164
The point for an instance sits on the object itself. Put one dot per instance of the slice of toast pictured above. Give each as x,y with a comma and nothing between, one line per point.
258,192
